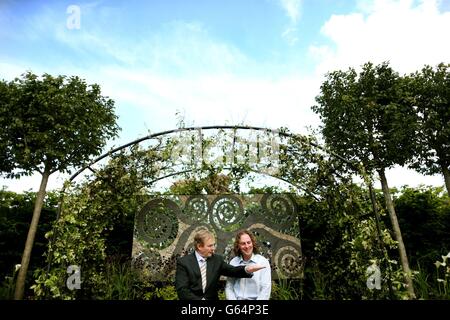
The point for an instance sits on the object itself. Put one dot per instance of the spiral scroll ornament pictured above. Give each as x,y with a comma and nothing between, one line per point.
196,209
288,262
227,213
157,223
279,209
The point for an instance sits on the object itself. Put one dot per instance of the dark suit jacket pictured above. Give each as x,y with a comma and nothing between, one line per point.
188,279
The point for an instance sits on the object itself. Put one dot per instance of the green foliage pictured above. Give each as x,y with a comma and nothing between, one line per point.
337,227
120,282
52,123
49,125
443,277
222,295
421,283
7,286
435,285
15,215
336,261
285,289
431,98
265,190
368,118
167,292
365,116
90,212
424,214
212,184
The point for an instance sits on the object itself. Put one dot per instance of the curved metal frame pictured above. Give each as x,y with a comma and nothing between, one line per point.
167,132
163,133
238,127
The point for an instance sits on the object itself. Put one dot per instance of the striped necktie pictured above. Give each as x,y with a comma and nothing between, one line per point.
203,272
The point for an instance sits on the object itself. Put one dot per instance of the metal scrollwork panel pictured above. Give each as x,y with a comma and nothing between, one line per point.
227,213
279,210
157,223
166,225
195,210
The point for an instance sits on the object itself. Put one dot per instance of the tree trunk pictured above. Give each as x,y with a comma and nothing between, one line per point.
380,237
398,234
20,283
446,173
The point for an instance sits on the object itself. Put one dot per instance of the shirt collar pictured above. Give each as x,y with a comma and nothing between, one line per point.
199,257
252,259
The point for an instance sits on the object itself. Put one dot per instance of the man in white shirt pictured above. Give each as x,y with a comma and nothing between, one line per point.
246,253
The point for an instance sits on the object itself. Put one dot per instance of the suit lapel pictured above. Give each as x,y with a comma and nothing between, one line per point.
194,264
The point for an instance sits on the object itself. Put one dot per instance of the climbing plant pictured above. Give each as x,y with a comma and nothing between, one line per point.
338,230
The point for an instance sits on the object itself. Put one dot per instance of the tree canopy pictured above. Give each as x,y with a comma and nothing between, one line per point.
50,124
366,118
431,99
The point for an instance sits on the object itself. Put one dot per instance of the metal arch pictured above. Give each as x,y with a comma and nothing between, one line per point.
167,132
163,133
229,168
238,127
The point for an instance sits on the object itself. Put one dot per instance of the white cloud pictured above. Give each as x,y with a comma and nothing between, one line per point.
290,35
150,100
407,34
400,176
32,183
292,9
217,98
183,67
9,71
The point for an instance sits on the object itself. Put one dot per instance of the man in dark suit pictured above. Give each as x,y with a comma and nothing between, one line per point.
197,275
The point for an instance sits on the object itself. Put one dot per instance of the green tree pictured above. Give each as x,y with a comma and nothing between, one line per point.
15,212
366,119
424,213
431,96
50,124
212,184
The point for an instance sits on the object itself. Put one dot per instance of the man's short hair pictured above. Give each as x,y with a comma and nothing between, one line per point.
201,236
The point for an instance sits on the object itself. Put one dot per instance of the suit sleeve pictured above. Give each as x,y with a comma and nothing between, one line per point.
182,283
235,272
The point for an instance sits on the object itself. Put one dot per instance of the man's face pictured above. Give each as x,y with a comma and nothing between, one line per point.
207,249
246,246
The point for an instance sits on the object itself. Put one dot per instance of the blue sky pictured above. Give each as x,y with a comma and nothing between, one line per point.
258,62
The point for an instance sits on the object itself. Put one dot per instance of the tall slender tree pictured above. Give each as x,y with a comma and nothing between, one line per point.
431,98
50,124
365,119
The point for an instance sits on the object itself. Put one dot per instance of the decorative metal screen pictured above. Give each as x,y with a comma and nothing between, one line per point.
166,224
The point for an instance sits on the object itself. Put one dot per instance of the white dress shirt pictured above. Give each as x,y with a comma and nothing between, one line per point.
256,288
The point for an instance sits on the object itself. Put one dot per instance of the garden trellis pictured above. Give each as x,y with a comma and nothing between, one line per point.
188,152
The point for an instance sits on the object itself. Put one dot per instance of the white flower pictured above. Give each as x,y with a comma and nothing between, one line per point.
17,267
440,280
